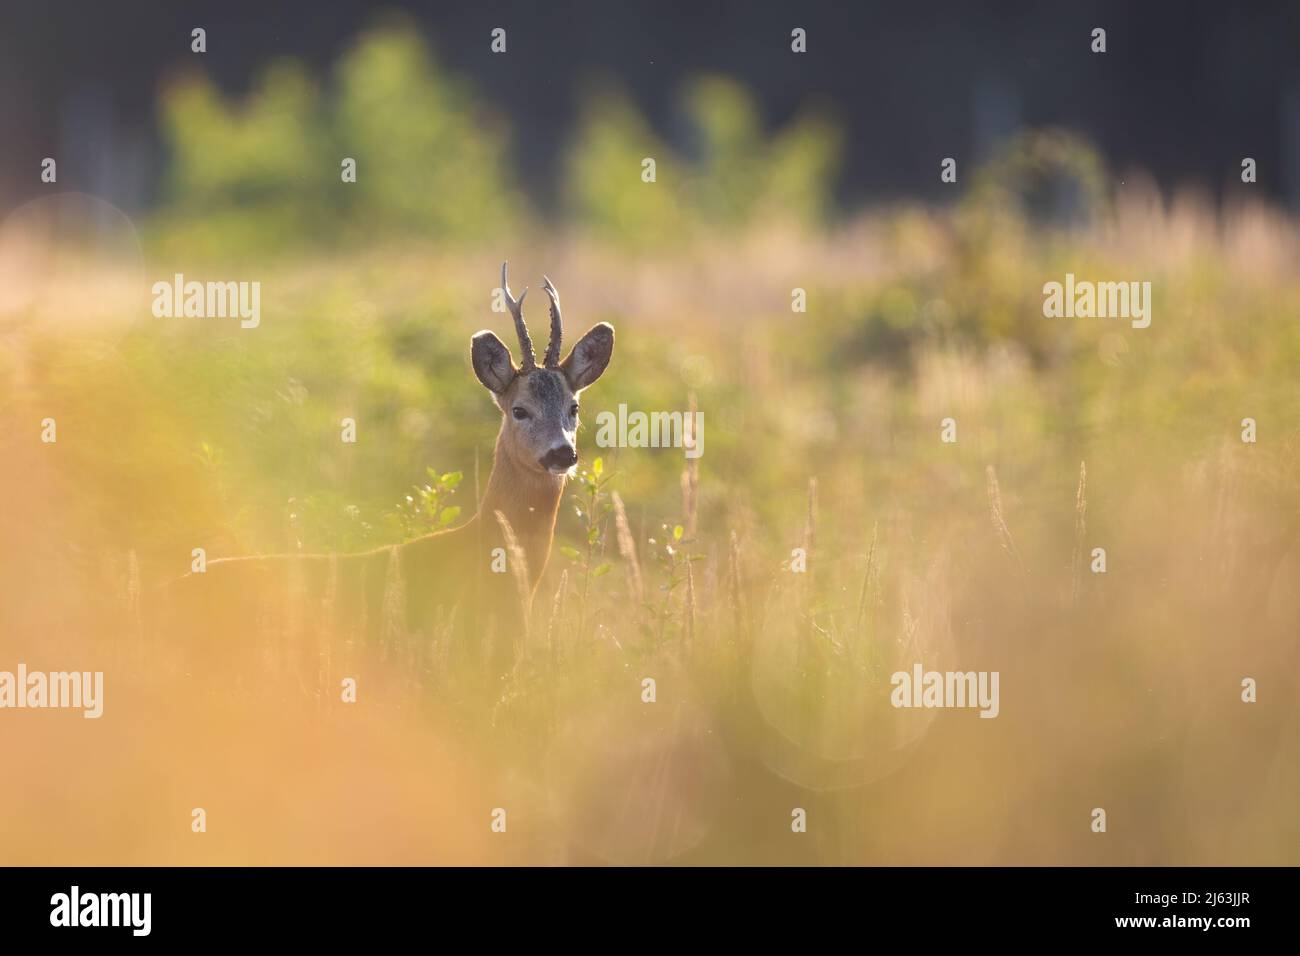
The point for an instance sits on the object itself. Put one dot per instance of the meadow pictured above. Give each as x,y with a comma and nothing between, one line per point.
1120,690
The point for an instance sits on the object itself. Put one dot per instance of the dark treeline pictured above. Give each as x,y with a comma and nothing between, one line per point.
1185,89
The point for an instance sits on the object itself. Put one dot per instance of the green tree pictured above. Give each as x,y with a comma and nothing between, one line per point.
430,159
734,176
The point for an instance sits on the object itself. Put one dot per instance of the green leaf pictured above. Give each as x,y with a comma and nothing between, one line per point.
678,531
571,553
449,515
602,569
451,479
597,467
593,533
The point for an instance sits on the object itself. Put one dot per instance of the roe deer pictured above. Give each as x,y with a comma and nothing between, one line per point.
415,589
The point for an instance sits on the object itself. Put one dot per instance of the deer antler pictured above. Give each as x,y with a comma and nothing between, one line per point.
552,359
516,306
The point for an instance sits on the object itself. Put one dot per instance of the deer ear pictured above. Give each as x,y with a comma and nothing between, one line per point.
491,361
589,358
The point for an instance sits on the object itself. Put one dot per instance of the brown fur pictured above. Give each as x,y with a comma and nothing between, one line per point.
402,596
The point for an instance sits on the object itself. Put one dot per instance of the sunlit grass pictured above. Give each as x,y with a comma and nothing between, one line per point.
1119,690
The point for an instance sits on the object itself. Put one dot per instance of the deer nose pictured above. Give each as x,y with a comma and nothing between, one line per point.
562,456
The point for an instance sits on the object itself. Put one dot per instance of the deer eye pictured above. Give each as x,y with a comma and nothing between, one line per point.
519,413
574,410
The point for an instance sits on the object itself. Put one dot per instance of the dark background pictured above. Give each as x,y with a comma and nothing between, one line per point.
1185,90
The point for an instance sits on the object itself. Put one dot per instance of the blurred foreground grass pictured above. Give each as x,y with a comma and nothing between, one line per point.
772,686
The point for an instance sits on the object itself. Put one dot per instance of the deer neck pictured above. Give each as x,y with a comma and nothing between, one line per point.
529,499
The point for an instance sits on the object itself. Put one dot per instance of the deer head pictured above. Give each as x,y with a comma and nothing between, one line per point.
540,403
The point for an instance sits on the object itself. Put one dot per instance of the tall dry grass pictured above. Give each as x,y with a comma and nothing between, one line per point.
1119,690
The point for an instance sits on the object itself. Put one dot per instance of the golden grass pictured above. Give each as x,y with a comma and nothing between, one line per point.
1119,690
